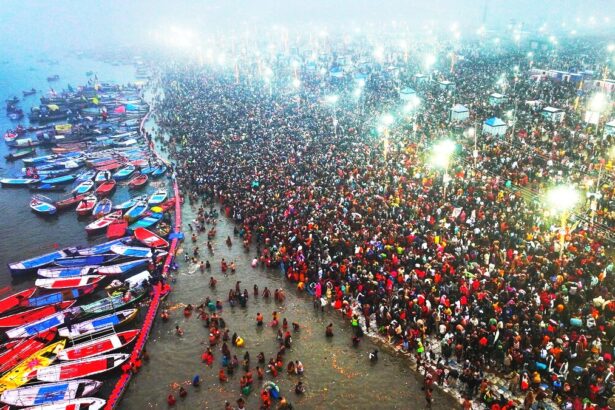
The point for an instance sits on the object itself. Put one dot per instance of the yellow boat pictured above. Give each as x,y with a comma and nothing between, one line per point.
26,370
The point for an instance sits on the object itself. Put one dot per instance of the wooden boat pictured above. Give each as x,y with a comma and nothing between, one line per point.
42,205
17,182
94,325
104,247
145,222
133,282
106,188
131,251
41,261
20,153
66,272
148,238
85,260
49,393
112,303
104,222
69,202
84,187
31,315
99,346
102,208
64,179
124,172
109,167
55,297
159,171
136,211
13,301
47,188
42,325
130,203
20,349
86,205
26,370
158,197
68,283
138,182
83,403
29,92
102,176
86,176
81,368
117,229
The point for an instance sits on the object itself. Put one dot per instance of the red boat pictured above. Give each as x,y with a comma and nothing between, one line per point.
86,205
149,238
23,349
15,299
80,368
106,188
138,182
69,202
104,222
32,315
99,346
68,283
117,229
139,163
109,167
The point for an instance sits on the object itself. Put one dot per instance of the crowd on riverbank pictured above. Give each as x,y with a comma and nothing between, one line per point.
475,266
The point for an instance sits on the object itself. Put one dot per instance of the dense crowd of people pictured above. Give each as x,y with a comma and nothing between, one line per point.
470,278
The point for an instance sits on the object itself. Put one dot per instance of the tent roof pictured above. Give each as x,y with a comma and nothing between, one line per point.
495,122
407,90
551,109
459,108
497,95
445,82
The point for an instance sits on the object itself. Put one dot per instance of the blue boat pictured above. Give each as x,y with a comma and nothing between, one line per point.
64,179
42,205
121,268
136,211
48,393
104,247
83,187
145,222
28,265
66,272
124,173
86,176
158,197
132,251
40,160
57,297
75,261
130,203
17,182
102,176
159,171
102,207
42,325
148,170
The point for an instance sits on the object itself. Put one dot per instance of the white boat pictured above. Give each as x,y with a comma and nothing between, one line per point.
97,324
84,403
132,251
158,197
49,393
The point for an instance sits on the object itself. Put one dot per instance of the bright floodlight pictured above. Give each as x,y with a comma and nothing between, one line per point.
361,83
530,54
441,153
379,53
562,198
357,92
267,72
332,99
296,83
471,131
611,47
221,58
430,60
387,119
598,102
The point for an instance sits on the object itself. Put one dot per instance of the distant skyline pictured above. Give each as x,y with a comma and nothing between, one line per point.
29,25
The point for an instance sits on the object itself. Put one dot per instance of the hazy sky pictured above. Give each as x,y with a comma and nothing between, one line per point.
63,24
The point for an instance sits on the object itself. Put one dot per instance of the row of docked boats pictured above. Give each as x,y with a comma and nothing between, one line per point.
58,336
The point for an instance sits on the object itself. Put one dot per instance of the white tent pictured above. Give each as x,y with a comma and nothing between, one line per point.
407,94
446,85
497,99
609,128
459,113
420,79
494,126
553,114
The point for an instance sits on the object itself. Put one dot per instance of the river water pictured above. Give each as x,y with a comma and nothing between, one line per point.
337,375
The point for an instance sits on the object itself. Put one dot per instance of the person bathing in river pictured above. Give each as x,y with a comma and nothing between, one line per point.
329,330
259,319
212,282
266,292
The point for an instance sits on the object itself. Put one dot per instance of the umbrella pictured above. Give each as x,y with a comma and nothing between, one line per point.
156,209
53,107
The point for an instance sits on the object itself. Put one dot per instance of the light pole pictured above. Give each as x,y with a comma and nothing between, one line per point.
387,120
441,157
332,100
561,200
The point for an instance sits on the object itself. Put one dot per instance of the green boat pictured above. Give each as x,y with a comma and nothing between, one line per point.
110,304
20,153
